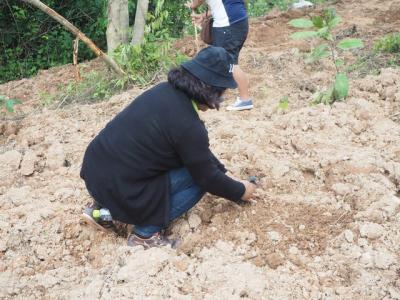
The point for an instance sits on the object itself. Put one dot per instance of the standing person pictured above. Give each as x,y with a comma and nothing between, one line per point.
152,162
230,29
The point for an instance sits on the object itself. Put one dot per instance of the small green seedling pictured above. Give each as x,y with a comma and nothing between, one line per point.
321,27
8,103
389,43
284,103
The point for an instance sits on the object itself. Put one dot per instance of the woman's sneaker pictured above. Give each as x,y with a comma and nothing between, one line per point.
99,218
241,105
156,240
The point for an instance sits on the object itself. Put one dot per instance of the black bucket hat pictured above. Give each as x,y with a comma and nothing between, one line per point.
212,65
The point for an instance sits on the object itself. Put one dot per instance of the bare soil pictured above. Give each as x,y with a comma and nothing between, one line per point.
325,220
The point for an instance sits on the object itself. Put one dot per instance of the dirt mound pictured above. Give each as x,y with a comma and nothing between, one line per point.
324,224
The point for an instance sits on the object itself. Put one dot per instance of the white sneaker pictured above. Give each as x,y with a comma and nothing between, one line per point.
241,105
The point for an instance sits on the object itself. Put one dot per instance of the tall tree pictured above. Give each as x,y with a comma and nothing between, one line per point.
77,32
140,21
118,24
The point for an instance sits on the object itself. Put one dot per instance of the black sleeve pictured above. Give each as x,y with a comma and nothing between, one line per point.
220,165
204,167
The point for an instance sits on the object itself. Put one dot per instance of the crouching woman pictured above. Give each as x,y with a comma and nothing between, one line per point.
152,162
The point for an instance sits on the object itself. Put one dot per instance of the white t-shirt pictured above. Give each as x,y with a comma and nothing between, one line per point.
227,12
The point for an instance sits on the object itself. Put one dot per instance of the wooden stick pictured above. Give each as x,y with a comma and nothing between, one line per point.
75,60
196,36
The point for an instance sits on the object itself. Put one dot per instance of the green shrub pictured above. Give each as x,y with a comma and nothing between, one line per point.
30,40
390,43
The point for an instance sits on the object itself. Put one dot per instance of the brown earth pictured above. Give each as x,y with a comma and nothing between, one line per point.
325,220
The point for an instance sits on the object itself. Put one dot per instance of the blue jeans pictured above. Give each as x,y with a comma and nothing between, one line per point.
184,194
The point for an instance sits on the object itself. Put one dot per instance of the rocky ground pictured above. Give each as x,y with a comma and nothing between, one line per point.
324,223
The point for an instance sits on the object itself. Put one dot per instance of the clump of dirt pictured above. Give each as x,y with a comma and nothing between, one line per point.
324,223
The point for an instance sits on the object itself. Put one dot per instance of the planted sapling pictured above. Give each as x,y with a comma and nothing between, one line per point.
321,27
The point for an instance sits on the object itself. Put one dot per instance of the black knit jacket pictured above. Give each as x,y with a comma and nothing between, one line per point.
125,166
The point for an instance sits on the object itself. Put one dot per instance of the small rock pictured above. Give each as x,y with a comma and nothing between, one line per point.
274,236
55,156
194,221
274,260
371,230
349,236
18,196
181,264
341,290
64,193
391,205
342,188
3,267
28,163
394,293
293,250
390,93
387,77
41,252
302,227
3,246
384,259
10,160
362,242
367,259
10,128
279,169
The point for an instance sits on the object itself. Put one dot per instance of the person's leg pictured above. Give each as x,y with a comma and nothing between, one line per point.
184,194
242,82
238,35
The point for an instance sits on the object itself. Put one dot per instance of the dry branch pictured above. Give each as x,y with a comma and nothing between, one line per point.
60,19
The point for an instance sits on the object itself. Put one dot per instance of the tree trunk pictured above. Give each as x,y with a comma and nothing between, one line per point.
140,21
118,24
108,60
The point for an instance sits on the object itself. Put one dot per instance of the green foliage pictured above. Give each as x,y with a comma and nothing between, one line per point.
301,23
94,86
319,52
284,103
144,61
324,25
8,104
341,87
348,44
302,35
30,40
389,43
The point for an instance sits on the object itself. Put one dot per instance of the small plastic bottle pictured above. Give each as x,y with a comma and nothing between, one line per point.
102,214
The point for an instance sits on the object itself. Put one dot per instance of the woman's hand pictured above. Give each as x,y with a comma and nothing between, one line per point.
197,19
250,189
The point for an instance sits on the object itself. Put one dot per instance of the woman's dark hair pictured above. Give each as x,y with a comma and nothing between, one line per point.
195,88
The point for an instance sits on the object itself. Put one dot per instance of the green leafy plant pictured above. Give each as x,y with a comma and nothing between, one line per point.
94,86
154,55
8,103
283,103
389,43
321,27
